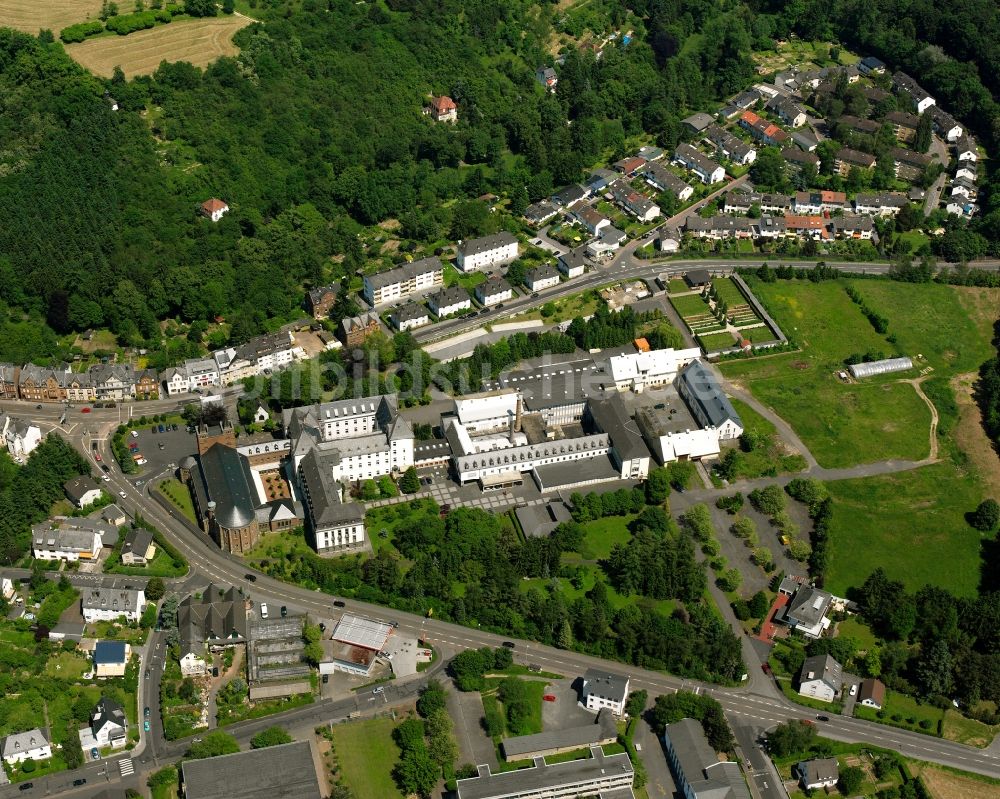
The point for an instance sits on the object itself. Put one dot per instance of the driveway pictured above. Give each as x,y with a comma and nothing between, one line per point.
660,783
566,712
474,745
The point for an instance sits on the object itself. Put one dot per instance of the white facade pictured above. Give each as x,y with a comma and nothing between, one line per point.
346,536
176,381
20,437
537,280
451,307
60,545
605,691
641,370
689,445
490,294
487,413
412,322
405,280
23,745
487,251
193,663
106,604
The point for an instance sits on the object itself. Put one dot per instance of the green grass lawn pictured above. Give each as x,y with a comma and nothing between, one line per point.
716,341
903,711
67,666
853,627
689,305
842,424
759,335
677,286
603,534
180,496
911,524
366,755
466,280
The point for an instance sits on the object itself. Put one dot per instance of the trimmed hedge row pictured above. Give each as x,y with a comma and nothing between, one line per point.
122,24
80,31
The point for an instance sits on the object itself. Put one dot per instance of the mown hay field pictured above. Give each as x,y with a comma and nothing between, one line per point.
32,16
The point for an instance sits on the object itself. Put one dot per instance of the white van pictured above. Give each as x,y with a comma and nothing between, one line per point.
263,610
135,434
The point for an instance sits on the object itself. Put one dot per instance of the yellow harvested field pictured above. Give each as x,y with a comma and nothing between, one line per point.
199,41
945,785
31,16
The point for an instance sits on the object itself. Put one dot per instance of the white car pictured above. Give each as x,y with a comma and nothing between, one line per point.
854,689
106,479
123,495
135,434
263,610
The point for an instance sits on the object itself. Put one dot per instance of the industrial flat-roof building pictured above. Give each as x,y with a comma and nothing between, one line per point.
597,775
276,772
356,643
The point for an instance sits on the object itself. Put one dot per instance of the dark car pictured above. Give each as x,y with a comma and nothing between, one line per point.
533,296
339,603
326,679
822,718
322,627
162,429
215,671
27,786
81,781
284,611
251,577
105,467
509,644
145,712
660,406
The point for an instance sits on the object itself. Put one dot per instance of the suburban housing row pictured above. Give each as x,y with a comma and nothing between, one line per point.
102,382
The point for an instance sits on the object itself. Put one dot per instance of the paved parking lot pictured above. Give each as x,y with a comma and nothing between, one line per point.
176,444
565,712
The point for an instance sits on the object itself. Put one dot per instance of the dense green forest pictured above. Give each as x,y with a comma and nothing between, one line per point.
315,131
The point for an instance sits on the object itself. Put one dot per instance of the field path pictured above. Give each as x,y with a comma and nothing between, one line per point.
915,382
784,429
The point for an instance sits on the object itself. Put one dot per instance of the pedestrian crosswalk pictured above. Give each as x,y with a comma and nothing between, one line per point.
126,767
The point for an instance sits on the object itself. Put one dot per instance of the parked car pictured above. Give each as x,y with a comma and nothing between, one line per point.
145,712
106,479
94,754
378,690
79,782
27,786
534,667
263,610
215,671
135,434
84,410
145,725
548,697
854,689
162,429
97,457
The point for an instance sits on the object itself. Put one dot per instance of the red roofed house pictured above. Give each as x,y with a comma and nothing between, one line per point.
443,109
812,226
214,209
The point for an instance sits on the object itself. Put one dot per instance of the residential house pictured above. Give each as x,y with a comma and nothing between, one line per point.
696,766
603,246
870,65
111,604
967,170
669,240
409,316
630,166
966,149
602,689
7,590
639,206
539,213
821,677
945,124
403,281
704,167
846,159
65,538
9,378
662,179
355,330
771,227
787,111
798,159
500,248
904,125
739,202
718,227
568,196
906,86
806,611
909,165
495,289
650,153
138,547
696,123
214,209
448,301
541,277
763,131
217,619
591,219
111,658
320,301
19,436
805,140
868,127
82,490
730,146
42,384
21,746
853,227
701,391
573,263
109,724
775,203
813,227
600,179
963,187
817,202
872,693
443,109
269,352
817,774
881,204
547,77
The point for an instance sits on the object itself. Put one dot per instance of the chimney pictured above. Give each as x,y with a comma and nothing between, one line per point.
517,413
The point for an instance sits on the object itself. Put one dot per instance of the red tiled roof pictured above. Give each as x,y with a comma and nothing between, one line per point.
213,205
443,104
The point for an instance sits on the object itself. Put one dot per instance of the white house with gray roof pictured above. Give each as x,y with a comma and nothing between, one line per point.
63,539
110,604
806,611
403,280
20,437
602,689
20,746
500,248
821,678
701,390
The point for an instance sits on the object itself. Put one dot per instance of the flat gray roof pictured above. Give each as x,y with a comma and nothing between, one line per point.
542,776
603,729
277,772
571,473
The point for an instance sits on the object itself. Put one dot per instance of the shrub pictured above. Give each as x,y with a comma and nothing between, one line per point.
125,24
28,766
80,31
